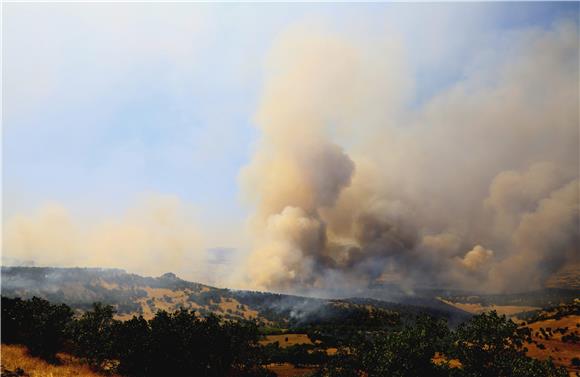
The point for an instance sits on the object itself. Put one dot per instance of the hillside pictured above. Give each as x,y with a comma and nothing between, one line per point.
556,334
132,294
295,335
541,298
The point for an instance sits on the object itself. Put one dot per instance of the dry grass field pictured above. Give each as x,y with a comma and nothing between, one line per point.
287,340
508,310
562,353
14,357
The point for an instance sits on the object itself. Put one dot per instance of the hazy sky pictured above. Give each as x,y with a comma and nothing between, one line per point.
105,104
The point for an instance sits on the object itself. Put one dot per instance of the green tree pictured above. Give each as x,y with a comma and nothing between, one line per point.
132,342
92,335
405,352
491,345
36,323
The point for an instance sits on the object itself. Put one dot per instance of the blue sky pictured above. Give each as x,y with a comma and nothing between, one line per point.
105,102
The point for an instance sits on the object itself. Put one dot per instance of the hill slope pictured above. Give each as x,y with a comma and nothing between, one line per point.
132,294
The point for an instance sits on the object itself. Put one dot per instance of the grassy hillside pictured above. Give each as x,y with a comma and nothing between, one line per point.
539,298
131,294
556,334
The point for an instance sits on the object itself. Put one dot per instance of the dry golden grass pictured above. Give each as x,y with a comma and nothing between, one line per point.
178,299
331,351
561,353
232,304
440,359
508,310
14,357
171,300
569,321
287,340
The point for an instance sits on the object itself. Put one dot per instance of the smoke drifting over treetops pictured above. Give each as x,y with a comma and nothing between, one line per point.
354,183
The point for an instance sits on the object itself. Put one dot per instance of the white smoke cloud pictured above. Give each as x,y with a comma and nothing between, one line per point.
386,186
475,258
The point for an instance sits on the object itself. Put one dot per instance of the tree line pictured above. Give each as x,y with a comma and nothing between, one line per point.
170,344
184,344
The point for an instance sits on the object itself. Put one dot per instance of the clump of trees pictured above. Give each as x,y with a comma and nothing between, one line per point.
492,345
487,346
184,344
405,352
170,344
571,338
39,325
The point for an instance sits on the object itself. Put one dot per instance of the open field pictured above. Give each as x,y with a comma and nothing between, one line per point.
477,308
287,340
15,356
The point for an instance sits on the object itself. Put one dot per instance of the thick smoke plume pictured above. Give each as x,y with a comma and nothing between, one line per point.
355,183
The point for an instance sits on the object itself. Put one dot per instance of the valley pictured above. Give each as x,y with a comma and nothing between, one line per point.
298,332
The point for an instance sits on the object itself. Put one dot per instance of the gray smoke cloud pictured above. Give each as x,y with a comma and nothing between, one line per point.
353,184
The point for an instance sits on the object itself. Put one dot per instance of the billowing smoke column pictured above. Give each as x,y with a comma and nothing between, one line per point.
354,184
